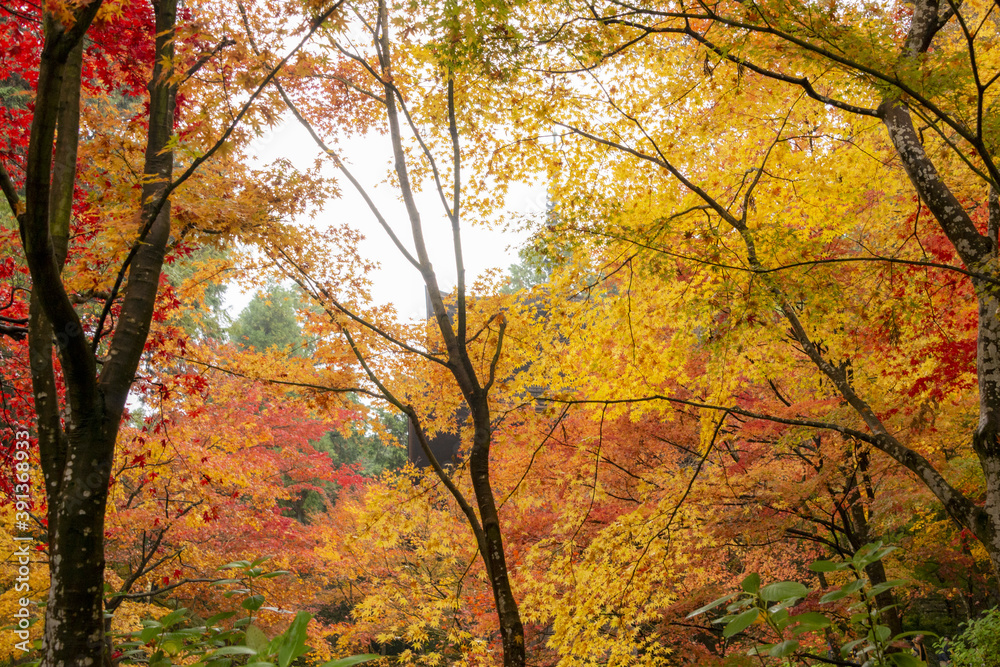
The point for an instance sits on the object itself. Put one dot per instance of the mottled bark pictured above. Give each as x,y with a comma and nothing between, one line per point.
76,462
979,253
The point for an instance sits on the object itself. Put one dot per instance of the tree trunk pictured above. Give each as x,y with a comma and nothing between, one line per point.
76,462
985,438
858,534
511,628
74,626
475,389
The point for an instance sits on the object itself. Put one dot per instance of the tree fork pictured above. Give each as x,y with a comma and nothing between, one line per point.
459,360
77,462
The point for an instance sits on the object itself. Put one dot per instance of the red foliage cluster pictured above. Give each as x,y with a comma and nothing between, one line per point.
117,60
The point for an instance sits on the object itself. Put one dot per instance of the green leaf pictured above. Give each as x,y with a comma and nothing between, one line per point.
870,553
809,621
276,573
147,634
173,646
711,605
256,639
853,587
882,553
294,642
781,590
760,649
235,564
233,650
785,648
881,588
260,560
867,550
905,660
826,566
253,603
739,605
350,661
751,584
220,617
174,617
850,646
914,633
741,622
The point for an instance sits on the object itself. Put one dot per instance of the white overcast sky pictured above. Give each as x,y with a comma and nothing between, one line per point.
396,281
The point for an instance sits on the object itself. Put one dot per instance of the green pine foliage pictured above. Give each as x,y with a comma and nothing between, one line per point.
269,321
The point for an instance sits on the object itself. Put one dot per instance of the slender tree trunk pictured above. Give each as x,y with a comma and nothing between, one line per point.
859,534
511,628
474,389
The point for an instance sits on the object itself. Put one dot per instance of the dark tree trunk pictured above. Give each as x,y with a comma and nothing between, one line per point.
859,534
76,461
511,628
484,519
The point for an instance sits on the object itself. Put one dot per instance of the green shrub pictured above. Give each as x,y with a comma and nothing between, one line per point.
979,643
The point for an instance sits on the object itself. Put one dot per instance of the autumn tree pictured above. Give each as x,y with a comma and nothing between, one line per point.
424,96
747,117
189,496
106,220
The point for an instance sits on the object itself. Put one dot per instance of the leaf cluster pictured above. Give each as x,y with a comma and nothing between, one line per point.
772,603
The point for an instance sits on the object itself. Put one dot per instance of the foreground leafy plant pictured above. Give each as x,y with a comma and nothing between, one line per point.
176,639
979,643
771,603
